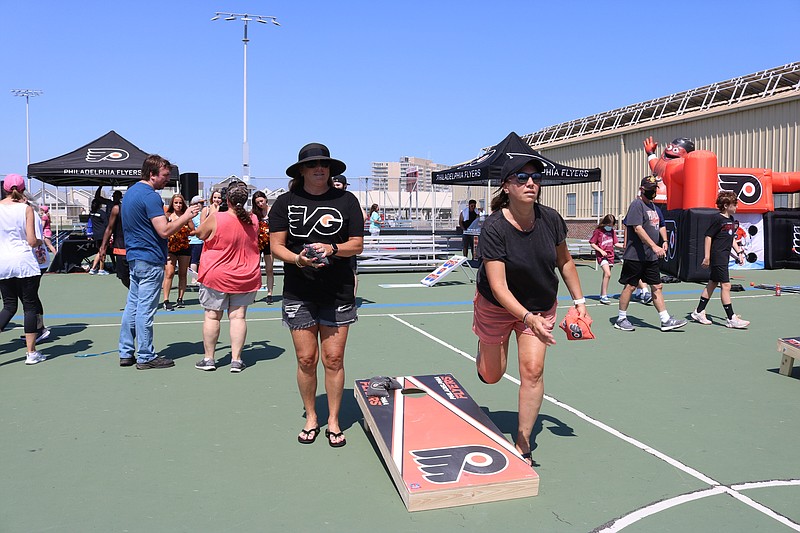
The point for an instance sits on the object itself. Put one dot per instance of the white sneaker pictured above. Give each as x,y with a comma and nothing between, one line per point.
605,300
43,334
34,357
737,323
701,317
102,273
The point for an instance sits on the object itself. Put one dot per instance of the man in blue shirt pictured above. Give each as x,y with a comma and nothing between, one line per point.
146,230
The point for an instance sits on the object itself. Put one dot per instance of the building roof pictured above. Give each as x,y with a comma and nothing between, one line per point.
759,85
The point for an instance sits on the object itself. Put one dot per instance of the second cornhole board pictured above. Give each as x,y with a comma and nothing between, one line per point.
789,347
440,448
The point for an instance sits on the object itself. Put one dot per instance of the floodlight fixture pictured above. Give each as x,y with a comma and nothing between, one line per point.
245,17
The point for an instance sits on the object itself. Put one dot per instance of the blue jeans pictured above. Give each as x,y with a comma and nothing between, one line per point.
140,310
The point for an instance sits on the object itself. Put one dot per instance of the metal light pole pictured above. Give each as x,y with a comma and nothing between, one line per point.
27,93
245,17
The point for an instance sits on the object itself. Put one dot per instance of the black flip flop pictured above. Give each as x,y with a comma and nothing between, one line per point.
309,434
329,434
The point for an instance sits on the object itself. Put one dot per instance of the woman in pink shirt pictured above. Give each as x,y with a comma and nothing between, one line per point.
603,241
230,274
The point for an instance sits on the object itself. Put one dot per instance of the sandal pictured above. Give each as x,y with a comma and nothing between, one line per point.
528,459
330,435
308,436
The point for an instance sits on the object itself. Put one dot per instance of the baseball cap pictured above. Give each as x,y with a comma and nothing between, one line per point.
341,178
515,163
13,180
649,183
197,199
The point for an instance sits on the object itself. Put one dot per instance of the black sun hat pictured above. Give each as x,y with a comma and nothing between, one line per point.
315,152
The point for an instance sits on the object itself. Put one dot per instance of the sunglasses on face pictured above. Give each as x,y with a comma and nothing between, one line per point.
318,163
523,177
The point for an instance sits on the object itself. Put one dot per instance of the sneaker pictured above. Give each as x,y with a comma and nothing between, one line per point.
624,324
92,271
158,362
646,298
127,361
673,323
41,335
737,323
102,273
206,364
31,358
166,306
179,303
605,300
700,317
237,366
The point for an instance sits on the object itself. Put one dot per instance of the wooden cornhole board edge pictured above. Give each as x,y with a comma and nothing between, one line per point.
789,347
453,494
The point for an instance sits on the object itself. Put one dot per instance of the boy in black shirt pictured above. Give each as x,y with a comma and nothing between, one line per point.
718,242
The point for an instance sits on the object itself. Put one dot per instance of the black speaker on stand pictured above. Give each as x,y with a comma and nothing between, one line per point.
189,185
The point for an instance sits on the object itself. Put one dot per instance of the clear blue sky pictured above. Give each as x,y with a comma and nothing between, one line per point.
373,80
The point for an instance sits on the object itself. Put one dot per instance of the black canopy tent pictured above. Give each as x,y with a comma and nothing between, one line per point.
485,169
109,160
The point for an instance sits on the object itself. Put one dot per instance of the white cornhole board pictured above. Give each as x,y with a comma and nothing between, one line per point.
443,270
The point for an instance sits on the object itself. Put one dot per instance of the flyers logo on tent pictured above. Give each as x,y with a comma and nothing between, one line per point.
796,239
445,465
746,187
95,155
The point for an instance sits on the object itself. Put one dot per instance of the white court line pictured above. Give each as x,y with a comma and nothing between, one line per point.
717,487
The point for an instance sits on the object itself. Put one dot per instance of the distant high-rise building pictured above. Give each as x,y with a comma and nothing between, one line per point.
408,174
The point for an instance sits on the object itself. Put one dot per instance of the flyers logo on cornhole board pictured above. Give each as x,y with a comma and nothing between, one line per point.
445,465
441,449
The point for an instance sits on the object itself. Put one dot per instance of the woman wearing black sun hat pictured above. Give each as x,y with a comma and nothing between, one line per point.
314,229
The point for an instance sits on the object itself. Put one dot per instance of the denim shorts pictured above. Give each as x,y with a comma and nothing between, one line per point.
219,301
299,314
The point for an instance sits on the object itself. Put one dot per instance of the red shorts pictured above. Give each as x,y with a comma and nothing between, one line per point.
493,324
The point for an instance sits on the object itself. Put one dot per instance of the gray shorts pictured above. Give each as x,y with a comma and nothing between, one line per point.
299,314
220,301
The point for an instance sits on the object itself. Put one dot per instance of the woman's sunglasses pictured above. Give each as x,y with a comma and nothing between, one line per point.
324,163
523,177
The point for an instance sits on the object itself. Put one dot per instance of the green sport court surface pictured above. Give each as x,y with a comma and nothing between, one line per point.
690,430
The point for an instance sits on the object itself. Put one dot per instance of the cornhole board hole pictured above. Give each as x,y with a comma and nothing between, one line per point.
440,448
789,347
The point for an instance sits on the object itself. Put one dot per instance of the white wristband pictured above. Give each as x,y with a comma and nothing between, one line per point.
652,156
579,301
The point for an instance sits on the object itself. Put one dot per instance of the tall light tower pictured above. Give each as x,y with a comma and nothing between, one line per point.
27,93
245,17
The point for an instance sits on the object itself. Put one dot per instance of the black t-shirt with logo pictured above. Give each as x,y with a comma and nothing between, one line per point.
722,231
328,218
529,257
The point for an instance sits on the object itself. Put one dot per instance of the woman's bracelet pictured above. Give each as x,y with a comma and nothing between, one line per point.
525,317
297,261
579,301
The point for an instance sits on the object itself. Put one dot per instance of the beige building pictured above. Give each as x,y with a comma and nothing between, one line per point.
752,121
